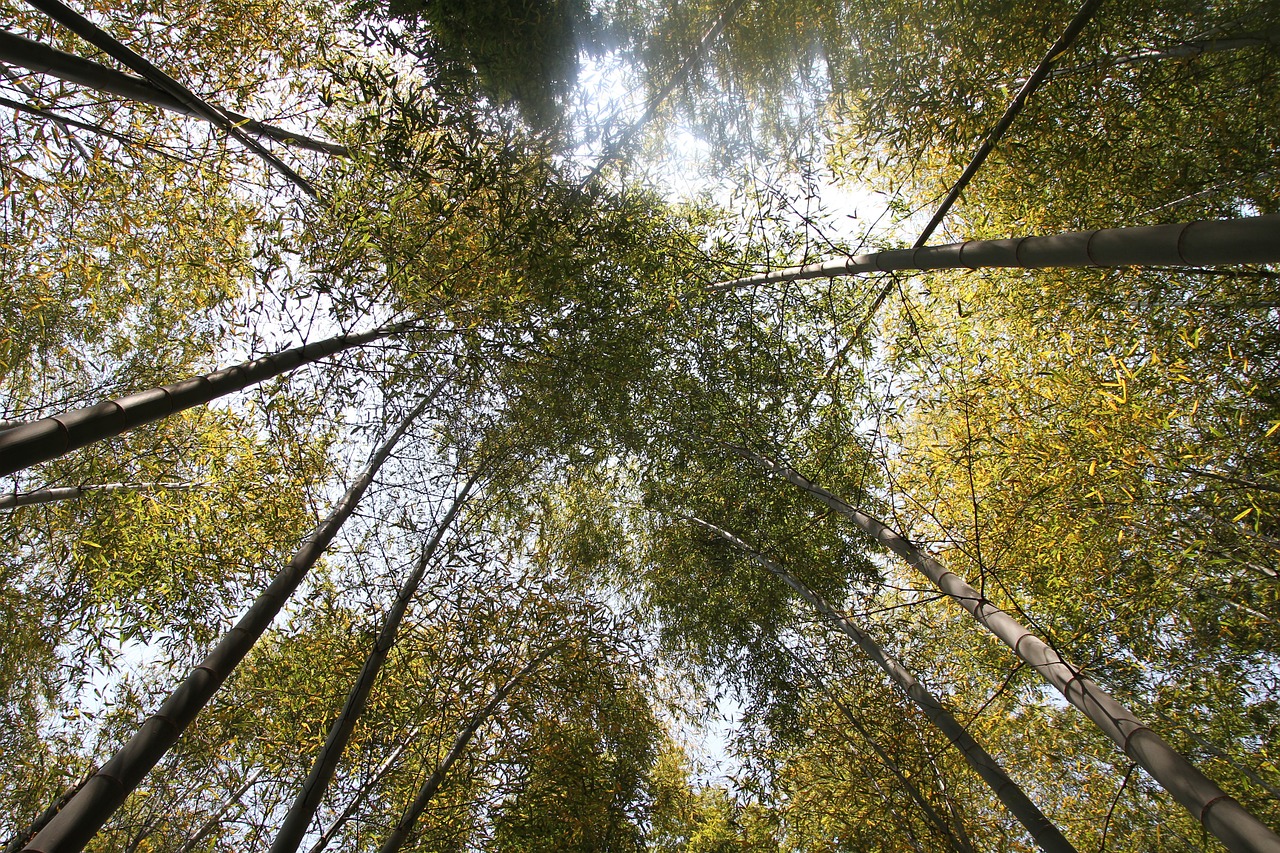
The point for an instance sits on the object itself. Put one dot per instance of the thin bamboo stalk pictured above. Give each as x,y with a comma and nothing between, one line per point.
303,810
959,842
1038,76
69,493
216,818
363,794
400,832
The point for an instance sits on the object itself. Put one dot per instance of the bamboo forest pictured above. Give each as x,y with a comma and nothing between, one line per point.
618,425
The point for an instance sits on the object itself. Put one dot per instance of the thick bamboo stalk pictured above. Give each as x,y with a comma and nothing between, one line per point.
104,41
300,814
48,438
43,59
77,823
69,493
400,833
1249,240
1043,830
1219,813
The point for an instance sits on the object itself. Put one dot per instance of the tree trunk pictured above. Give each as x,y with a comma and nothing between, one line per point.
1249,240
304,806
43,59
67,493
400,833
1220,814
39,441
72,828
1028,814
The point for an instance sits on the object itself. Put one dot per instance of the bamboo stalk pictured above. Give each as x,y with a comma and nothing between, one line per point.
85,814
48,438
303,810
67,493
104,41
1043,830
400,832
1218,812
1248,240
43,59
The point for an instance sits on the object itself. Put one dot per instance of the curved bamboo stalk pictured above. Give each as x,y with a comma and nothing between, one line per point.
85,814
958,841
1217,811
1019,804
1248,240
39,441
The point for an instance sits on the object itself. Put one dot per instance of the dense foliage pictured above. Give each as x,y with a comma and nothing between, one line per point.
1096,451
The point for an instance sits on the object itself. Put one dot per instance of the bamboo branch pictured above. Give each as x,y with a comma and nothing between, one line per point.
615,148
